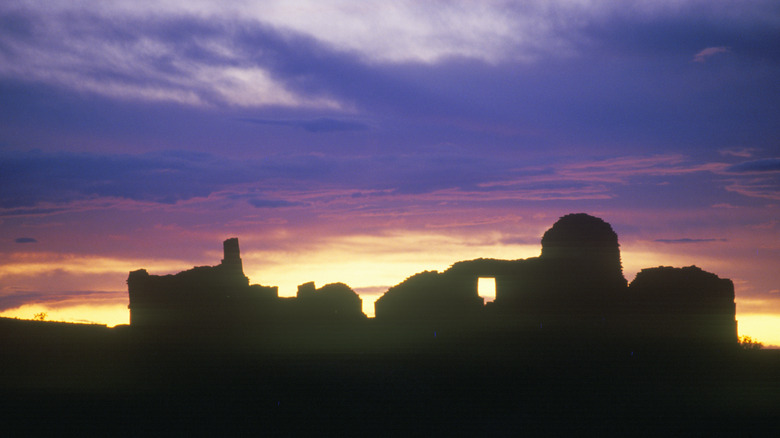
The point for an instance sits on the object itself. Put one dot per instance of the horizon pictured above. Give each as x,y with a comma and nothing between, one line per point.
406,138
119,314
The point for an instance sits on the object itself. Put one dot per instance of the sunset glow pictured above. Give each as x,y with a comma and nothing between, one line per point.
406,138
110,315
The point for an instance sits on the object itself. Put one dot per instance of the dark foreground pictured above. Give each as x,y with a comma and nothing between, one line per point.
56,379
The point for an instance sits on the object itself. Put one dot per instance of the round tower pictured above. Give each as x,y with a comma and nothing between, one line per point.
583,239
581,269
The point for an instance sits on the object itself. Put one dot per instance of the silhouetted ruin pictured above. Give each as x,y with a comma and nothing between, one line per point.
432,296
221,296
575,286
683,303
332,302
577,278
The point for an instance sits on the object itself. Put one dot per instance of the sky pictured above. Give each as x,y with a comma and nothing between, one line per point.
365,141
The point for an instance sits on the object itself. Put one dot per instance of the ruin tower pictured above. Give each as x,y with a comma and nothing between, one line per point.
232,261
580,235
584,241
581,270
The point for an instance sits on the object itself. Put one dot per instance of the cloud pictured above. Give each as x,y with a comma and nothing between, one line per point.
709,52
259,55
273,203
187,60
688,240
519,240
48,180
757,187
618,170
36,182
25,240
399,31
40,183
739,152
600,179
527,191
755,179
756,166
61,298
323,124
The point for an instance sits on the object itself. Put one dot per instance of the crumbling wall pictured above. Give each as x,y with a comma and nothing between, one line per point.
684,304
220,296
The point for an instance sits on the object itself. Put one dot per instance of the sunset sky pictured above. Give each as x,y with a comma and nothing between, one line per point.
366,141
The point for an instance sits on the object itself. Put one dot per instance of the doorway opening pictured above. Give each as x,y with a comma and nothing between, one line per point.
486,288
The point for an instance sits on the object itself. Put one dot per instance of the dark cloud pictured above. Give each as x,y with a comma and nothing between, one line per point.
272,203
687,240
15,209
31,178
739,152
26,240
313,125
764,165
687,32
36,182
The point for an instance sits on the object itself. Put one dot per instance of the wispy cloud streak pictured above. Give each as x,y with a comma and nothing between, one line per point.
150,58
618,170
322,124
46,184
685,240
709,52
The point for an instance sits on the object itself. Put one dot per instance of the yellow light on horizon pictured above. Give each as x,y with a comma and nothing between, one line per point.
762,327
108,314
486,287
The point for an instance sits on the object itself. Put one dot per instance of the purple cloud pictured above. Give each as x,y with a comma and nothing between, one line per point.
688,240
739,152
758,166
704,54
322,124
273,203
